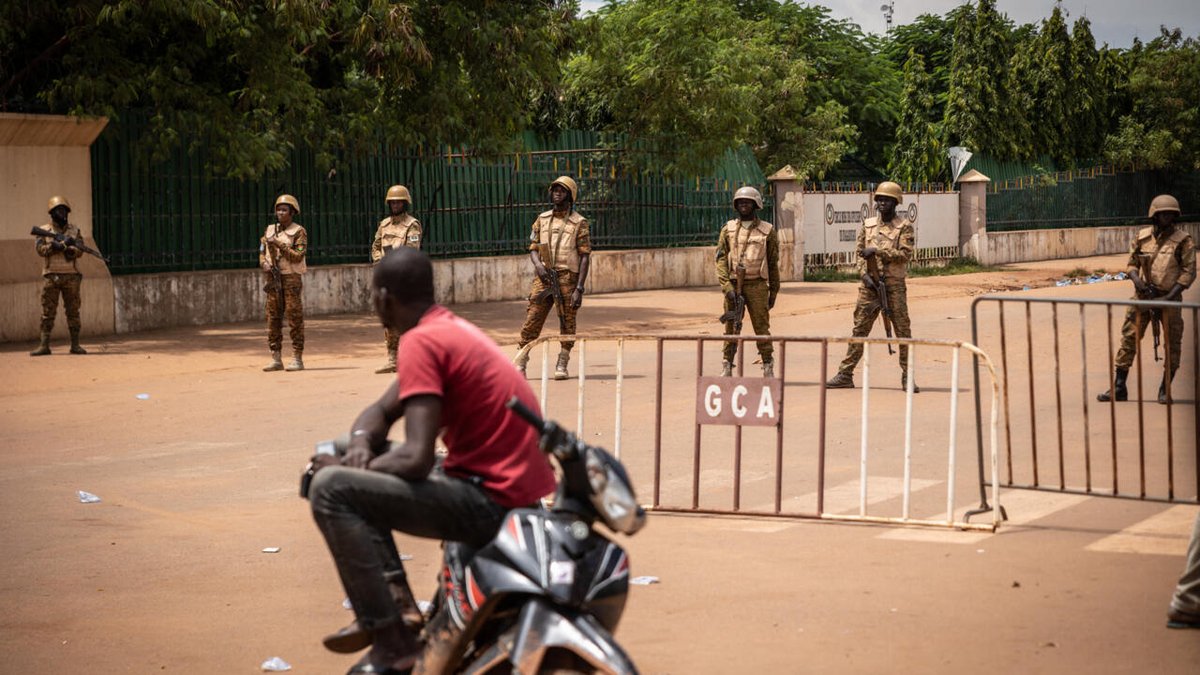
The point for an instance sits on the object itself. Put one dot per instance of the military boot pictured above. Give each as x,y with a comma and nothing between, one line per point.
522,362
560,370
390,367
842,380
297,361
904,383
727,369
1119,392
1164,387
43,347
276,362
768,366
75,348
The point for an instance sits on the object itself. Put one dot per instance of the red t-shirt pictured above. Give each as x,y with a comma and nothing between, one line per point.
449,357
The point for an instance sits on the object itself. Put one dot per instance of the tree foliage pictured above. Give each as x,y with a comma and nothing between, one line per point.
918,155
1163,127
252,79
689,80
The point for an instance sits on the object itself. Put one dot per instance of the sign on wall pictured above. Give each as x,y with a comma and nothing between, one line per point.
831,221
743,401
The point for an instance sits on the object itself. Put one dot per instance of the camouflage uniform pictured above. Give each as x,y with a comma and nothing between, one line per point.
395,231
894,244
755,245
61,277
291,267
566,239
1163,261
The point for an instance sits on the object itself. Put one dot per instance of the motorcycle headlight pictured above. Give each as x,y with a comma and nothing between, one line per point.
611,493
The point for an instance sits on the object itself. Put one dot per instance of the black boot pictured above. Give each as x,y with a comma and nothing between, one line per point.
1119,392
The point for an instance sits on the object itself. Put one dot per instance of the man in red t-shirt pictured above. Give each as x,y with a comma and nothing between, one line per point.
450,379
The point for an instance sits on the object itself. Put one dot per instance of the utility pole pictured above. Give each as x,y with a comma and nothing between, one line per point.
888,10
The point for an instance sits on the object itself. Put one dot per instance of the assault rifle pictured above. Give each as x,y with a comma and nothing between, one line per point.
737,313
1152,293
880,287
66,241
554,292
276,282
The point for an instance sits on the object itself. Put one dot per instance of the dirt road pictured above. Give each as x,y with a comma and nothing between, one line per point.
195,455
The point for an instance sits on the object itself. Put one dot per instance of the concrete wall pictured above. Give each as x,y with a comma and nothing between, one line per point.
147,301
998,248
41,156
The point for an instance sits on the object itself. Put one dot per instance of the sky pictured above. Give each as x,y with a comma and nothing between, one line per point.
1116,22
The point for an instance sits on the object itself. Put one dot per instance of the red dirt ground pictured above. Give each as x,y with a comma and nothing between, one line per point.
167,573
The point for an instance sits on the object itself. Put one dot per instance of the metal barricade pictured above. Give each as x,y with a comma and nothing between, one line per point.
556,395
1085,470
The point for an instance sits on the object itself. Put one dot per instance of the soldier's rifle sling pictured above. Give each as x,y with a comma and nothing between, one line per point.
67,241
881,291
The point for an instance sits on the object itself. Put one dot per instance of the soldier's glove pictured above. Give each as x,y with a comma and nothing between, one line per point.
1175,294
869,251
577,298
57,245
771,300
731,296
868,281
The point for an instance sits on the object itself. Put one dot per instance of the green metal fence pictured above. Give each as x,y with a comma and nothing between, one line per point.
172,216
1037,196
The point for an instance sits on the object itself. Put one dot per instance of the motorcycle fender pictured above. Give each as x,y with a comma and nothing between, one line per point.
542,627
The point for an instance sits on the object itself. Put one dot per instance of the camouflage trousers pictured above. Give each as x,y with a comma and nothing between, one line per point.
1137,322
757,293
867,310
392,340
538,309
66,285
293,302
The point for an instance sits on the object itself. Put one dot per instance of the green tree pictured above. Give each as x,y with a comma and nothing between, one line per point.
251,79
1165,105
1089,103
1053,94
930,37
917,156
978,107
689,80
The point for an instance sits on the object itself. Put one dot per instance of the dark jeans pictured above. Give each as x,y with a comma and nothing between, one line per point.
356,510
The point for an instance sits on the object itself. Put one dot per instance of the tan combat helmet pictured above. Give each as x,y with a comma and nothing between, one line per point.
398,193
889,189
57,201
1164,203
750,193
568,183
290,201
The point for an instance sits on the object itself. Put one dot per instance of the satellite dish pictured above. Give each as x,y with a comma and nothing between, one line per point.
959,156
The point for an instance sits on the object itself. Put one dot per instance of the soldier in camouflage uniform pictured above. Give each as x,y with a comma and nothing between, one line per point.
559,241
398,229
751,245
60,274
1162,263
890,238
284,246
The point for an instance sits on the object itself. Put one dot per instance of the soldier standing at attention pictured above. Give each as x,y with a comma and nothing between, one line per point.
749,248
888,238
560,249
398,229
281,253
1162,263
60,274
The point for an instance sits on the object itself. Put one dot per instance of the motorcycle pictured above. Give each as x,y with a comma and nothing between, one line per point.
546,594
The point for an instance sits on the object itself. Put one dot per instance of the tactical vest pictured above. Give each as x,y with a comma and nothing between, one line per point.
558,235
886,237
402,230
56,262
1157,262
285,266
748,246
